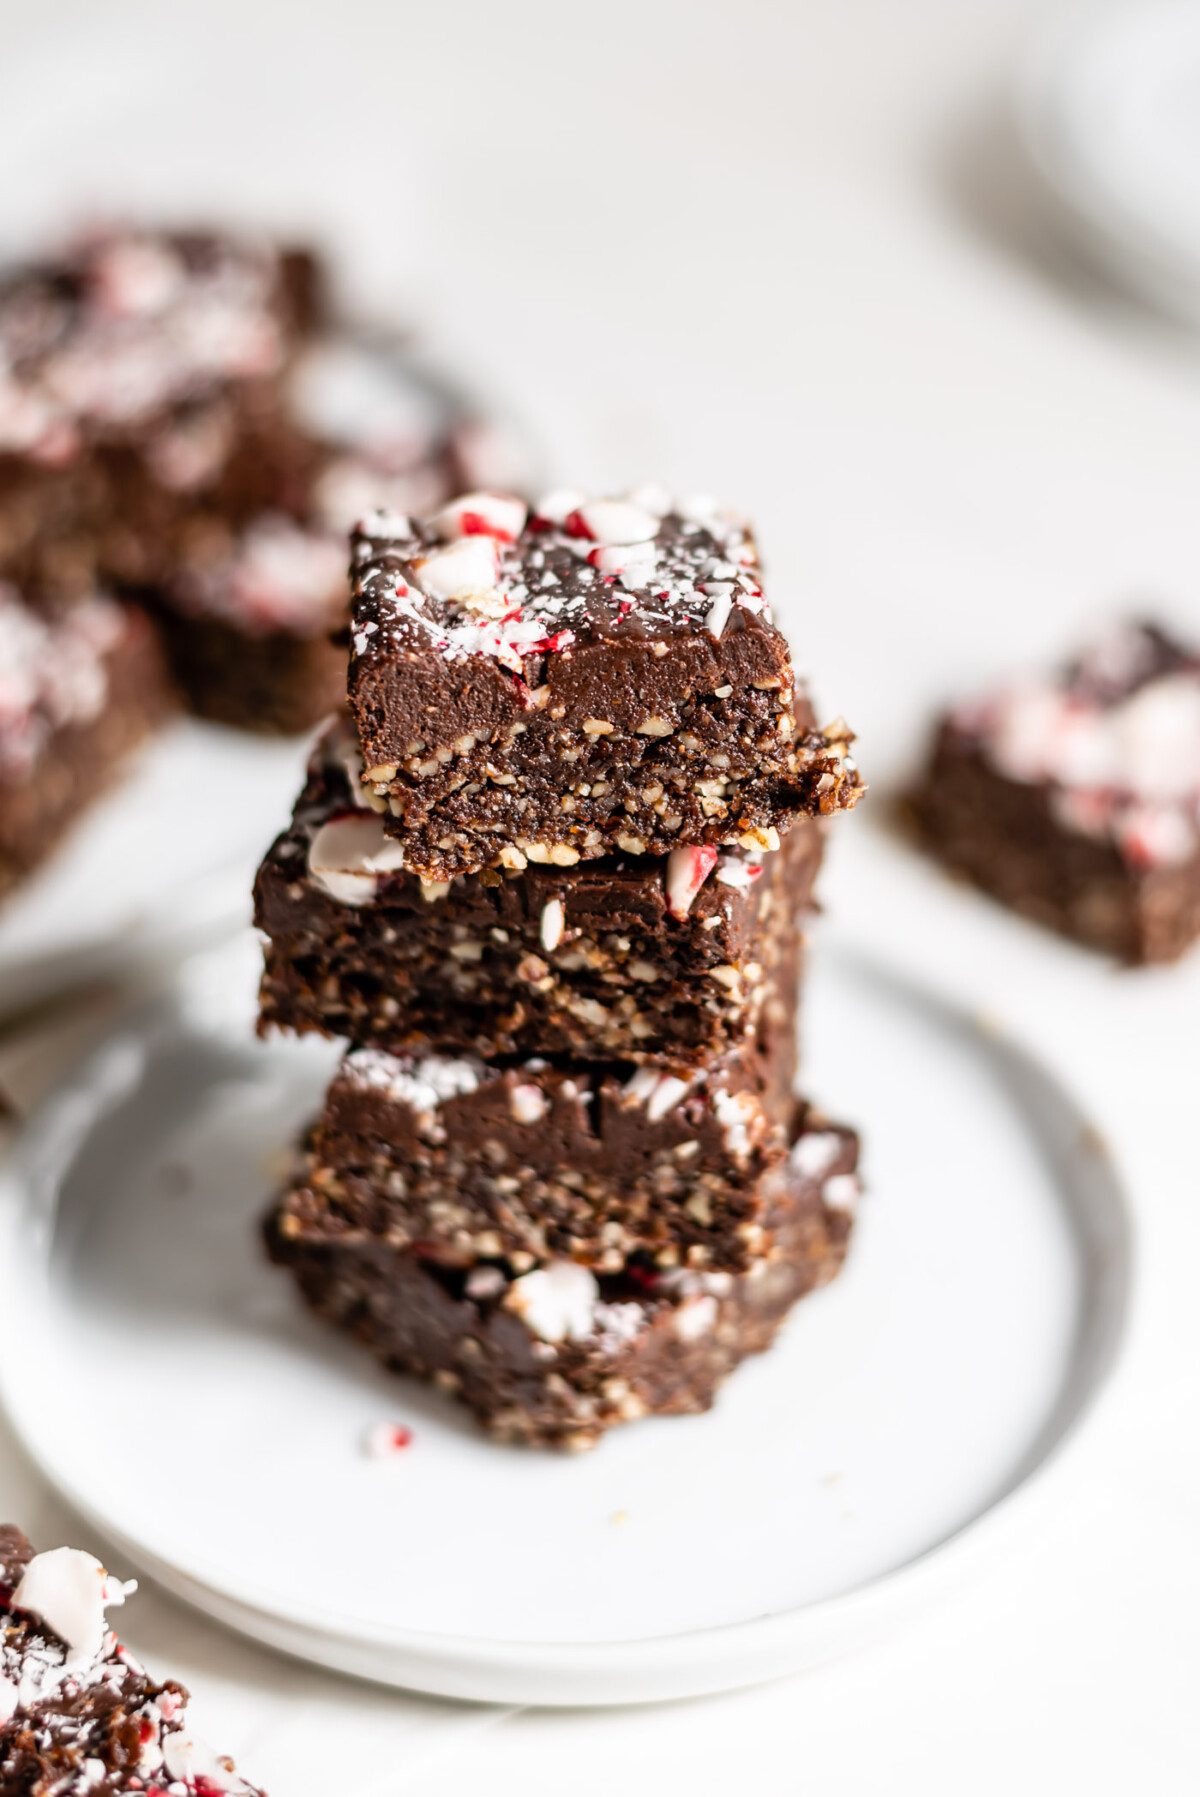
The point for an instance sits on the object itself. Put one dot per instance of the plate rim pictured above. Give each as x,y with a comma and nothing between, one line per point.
490,1669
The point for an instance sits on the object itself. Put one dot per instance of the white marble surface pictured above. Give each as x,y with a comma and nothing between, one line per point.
782,252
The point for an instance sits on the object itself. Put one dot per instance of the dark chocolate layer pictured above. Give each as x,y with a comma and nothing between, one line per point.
557,686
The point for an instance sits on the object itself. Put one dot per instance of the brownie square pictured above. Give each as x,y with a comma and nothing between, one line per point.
557,1355
78,691
580,679
532,1161
1075,797
141,380
77,1711
628,957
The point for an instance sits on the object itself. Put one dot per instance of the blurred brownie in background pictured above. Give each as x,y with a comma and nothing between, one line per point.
141,376
183,421
1075,797
254,602
78,690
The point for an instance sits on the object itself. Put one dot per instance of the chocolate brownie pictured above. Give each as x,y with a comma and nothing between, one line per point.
631,956
77,1712
532,1161
140,378
251,610
1075,798
588,677
77,692
248,624
555,1356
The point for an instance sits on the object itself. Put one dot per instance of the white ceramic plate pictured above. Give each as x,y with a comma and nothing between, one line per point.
1109,108
178,1395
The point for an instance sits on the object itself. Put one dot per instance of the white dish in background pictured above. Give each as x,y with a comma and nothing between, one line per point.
216,1439
1109,109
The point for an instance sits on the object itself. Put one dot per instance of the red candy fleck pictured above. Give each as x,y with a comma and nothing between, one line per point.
474,524
575,525
547,645
687,870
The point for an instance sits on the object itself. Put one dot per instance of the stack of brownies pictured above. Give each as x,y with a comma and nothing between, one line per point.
549,875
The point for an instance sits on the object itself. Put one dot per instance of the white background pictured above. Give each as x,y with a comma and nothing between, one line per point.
787,254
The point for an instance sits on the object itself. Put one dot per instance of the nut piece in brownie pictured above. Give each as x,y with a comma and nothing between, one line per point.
139,376
555,1356
77,1712
78,690
1075,798
530,1162
588,677
631,956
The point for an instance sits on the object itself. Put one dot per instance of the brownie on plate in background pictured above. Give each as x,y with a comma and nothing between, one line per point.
1074,797
79,689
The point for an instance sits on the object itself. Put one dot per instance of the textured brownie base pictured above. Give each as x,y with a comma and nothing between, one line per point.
590,962
534,1162
1003,835
80,1715
577,705
41,800
629,1345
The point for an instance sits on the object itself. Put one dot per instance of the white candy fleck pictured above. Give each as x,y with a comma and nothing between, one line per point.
528,1103
733,1111
461,571
659,1092
618,521
718,614
70,1591
557,1302
841,1192
815,1152
695,1317
349,854
421,1083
